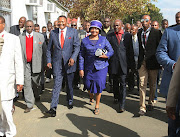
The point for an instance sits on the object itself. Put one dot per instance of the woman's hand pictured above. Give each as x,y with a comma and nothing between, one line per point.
103,56
81,73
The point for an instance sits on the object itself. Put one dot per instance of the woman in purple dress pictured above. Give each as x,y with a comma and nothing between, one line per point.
93,62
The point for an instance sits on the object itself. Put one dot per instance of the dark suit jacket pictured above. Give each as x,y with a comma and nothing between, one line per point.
61,56
123,53
103,33
15,30
148,54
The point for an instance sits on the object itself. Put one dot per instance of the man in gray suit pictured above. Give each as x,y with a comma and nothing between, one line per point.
32,46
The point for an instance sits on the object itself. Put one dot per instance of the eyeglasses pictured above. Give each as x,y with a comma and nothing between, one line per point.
146,20
73,25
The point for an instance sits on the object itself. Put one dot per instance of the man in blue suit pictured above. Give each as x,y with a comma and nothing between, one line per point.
66,49
167,54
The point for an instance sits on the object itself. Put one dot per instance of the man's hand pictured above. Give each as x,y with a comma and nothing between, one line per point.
19,87
81,73
71,62
49,65
171,112
103,56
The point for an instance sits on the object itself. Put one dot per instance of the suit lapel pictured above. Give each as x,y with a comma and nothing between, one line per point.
68,32
35,40
115,39
24,44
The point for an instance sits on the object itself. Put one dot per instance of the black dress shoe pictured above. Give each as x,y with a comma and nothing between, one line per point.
51,112
70,106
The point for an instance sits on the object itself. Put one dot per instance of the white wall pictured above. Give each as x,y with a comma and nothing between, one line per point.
19,9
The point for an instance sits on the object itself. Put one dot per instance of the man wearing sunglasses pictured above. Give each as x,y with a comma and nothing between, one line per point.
147,64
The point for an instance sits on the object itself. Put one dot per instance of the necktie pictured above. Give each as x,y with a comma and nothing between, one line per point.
29,36
144,38
62,39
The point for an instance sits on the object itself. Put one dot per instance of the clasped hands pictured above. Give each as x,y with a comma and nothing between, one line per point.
81,72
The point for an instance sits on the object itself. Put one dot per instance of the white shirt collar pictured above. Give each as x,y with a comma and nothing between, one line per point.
31,34
2,33
65,29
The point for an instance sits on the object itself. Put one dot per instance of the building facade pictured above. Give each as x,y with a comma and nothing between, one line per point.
40,11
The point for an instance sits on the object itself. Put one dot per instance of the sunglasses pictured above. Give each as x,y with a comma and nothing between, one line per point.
73,25
146,20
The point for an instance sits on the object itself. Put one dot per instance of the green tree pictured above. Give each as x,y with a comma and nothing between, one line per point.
98,9
152,10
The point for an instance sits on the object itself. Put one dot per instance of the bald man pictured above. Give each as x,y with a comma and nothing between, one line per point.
74,24
148,66
18,29
56,24
32,48
155,25
127,28
121,60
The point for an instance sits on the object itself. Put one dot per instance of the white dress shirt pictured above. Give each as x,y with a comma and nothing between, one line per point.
64,33
31,34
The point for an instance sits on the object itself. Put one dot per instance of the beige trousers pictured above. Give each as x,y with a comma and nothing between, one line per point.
144,76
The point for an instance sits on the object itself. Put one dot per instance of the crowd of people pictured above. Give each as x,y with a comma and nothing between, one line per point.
128,53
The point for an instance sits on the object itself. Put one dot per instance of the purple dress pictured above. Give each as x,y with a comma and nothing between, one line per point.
95,80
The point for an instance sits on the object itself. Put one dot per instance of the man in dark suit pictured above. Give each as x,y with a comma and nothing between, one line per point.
18,29
122,45
66,49
81,35
147,63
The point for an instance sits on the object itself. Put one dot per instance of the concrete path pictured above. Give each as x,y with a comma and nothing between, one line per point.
81,122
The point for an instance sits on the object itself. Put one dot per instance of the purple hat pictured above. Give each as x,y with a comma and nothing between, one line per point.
96,23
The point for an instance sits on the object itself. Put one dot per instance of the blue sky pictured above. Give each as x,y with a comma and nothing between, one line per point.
169,8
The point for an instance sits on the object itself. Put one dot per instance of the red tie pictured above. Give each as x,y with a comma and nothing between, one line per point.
62,39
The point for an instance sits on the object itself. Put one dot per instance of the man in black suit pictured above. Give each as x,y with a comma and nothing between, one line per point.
122,45
148,66
18,29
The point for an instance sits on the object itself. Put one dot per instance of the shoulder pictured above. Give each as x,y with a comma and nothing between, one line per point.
111,34
86,39
127,34
14,26
9,35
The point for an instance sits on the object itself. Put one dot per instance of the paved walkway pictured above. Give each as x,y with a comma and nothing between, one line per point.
80,121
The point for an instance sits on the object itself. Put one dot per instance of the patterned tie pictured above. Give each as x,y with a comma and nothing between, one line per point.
144,38
62,39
